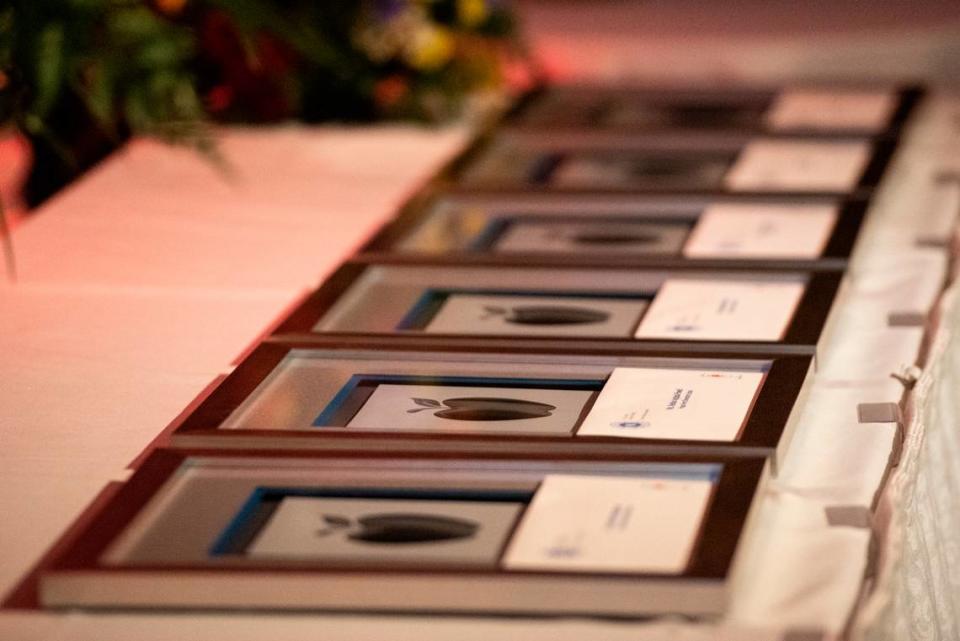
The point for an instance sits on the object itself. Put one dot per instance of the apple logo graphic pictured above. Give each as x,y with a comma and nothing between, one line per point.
545,315
601,236
479,408
705,114
663,167
399,528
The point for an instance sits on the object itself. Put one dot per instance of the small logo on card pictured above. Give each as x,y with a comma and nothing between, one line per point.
633,425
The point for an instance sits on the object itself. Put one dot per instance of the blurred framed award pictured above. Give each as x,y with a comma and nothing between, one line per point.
333,396
673,306
496,535
798,110
603,161
618,229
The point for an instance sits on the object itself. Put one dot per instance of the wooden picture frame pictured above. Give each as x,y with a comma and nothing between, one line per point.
343,305
152,544
295,383
608,107
454,226
585,161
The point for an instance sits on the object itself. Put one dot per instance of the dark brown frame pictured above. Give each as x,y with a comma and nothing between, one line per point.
801,335
909,96
688,142
710,559
760,436
383,246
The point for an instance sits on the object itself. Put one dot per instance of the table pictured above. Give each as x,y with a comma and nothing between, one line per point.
150,277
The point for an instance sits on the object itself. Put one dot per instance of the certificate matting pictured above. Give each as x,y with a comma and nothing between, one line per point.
459,404
570,235
475,409
372,525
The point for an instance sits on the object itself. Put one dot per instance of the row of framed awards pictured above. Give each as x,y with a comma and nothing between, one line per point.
552,385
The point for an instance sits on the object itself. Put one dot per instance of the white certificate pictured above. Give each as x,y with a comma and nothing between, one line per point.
761,231
684,404
705,309
507,315
377,531
862,111
610,524
799,165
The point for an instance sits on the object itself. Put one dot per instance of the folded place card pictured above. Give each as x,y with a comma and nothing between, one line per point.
608,524
705,309
838,110
681,404
801,166
761,231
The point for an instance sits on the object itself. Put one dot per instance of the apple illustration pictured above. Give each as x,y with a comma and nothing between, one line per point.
398,528
546,315
664,167
693,114
600,236
480,408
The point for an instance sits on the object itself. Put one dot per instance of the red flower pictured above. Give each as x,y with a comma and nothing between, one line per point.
390,91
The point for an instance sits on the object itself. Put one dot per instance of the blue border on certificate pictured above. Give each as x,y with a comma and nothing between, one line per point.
326,418
263,501
259,506
432,300
495,229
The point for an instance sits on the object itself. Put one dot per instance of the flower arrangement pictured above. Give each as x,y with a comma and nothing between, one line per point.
77,77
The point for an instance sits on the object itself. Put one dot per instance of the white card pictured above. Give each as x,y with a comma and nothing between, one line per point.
862,111
761,231
803,166
695,309
694,405
610,524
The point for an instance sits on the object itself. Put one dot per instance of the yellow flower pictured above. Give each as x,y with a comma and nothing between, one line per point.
430,48
470,13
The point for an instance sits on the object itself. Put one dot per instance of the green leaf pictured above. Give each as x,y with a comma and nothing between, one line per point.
49,71
100,98
134,24
160,53
302,35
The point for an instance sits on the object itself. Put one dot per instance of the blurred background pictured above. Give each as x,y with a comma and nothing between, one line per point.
79,77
